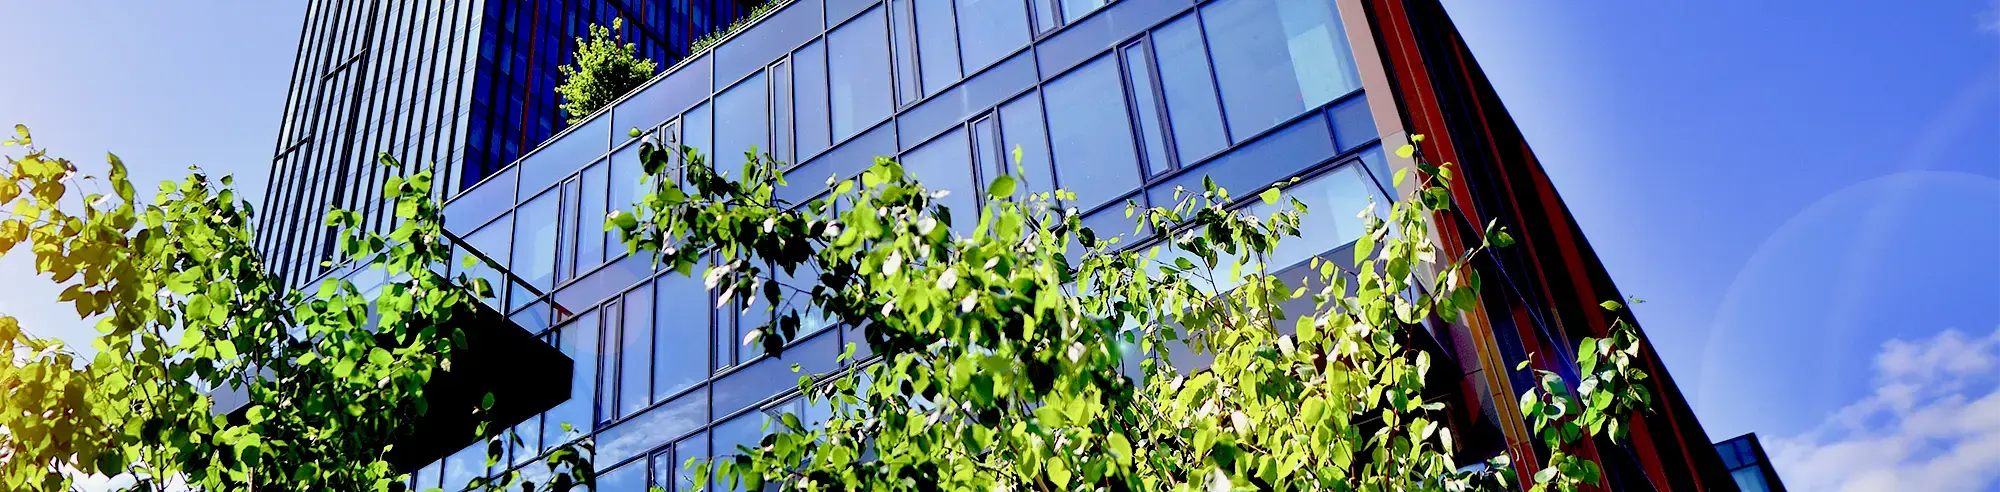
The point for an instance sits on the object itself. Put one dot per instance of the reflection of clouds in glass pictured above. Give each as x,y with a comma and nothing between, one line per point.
659,425
1932,423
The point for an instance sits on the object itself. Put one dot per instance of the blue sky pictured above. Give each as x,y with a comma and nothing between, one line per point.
1806,193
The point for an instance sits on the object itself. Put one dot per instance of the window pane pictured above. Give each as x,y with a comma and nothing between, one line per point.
692,447
991,29
1045,15
858,68
609,340
590,233
1092,137
1277,58
635,354
1076,9
464,466
1021,129
698,129
681,351
652,428
945,163
1353,124
902,24
740,124
491,242
937,44
579,342
809,85
1333,198
535,243
986,154
1139,76
628,478
781,112
1190,90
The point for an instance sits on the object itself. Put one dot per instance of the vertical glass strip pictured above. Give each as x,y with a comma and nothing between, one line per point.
902,22
986,154
781,112
634,352
609,342
1145,104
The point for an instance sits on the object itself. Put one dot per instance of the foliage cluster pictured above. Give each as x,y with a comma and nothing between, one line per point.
606,68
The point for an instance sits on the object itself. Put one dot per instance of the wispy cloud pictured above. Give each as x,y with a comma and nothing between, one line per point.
1989,19
1932,423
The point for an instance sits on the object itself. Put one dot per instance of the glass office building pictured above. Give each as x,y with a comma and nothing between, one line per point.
465,86
1114,100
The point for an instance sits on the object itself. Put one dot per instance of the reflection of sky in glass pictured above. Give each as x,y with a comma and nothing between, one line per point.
650,429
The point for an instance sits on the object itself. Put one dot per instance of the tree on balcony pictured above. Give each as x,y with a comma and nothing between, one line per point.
606,68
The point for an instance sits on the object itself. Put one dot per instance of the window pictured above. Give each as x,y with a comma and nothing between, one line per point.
741,123
698,130
579,342
1189,89
569,226
680,352
858,70
937,45
535,246
1333,199
635,351
609,344
781,111
902,25
1076,9
986,154
490,241
628,478
1146,105
1092,133
1021,129
590,233
945,163
990,29
1276,59
809,87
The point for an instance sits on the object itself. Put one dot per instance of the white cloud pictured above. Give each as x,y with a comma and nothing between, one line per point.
1932,424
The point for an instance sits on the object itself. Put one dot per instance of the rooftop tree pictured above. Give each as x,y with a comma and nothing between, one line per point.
606,68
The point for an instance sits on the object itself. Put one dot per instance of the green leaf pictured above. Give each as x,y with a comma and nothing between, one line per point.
1002,186
1406,151
380,357
1121,449
1270,196
1611,305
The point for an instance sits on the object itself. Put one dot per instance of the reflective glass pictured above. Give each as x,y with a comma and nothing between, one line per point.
809,87
1076,9
903,26
692,447
563,155
590,233
741,123
464,466
858,69
1277,58
945,164
1353,124
628,478
1021,130
698,130
781,112
990,29
491,242
661,101
579,342
1332,199
937,45
681,350
610,321
1255,165
1145,104
635,354
652,428
1092,133
535,244
986,154
1190,90
477,205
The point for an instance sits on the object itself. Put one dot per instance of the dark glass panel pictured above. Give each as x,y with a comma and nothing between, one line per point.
1353,124
741,123
590,233
937,45
858,70
809,87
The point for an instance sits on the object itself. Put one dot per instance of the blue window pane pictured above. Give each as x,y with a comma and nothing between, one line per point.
986,154
1276,59
768,40
680,353
781,112
1255,165
635,353
653,428
946,164
661,101
624,190
844,161
610,318
858,69
1353,124
947,109
741,123
937,45
590,233
476,206
1021,131
990,29
903,28
565,154
464,466
1332,200
602,284
578,340
628,478
768,377
692,447
1083,41
698,130
490,242
809,87
1045,15
1092,133
1190,90
840,10
1145,104
535,244
1076,9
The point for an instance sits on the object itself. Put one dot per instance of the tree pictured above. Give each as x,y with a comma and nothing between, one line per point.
1000,353
606,68
184,305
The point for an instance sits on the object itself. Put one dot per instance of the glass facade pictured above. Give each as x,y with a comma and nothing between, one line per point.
1748,465
464,87
1115,101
